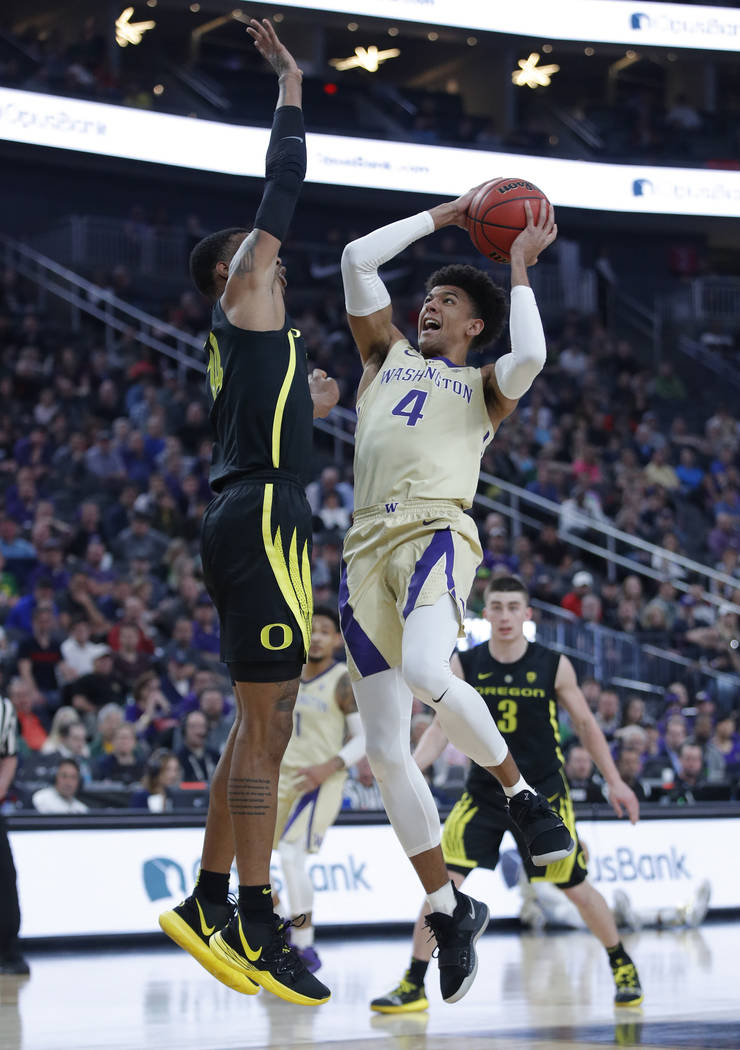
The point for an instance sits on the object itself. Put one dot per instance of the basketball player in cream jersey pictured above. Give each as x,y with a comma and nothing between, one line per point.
424,418
314,769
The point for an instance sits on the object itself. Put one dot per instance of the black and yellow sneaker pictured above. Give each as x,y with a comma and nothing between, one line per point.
190,925
259,951
406,998
628,990
547,838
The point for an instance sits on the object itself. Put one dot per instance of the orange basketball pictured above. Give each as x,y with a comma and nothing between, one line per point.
496,215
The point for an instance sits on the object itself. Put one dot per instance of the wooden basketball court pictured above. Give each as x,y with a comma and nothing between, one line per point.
533,992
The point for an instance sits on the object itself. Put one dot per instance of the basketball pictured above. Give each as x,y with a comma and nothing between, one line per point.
496,215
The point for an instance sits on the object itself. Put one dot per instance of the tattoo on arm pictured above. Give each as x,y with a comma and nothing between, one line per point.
243,261
249,796
344,696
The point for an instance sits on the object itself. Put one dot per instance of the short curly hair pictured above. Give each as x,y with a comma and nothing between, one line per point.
204,256
488,298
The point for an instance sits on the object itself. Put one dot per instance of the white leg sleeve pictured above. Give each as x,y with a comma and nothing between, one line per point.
428,642
293,858
384,703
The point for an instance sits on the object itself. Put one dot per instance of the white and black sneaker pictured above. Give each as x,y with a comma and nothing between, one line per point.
547,838
456,936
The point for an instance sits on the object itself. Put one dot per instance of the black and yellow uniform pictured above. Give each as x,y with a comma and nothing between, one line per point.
256,533
521,698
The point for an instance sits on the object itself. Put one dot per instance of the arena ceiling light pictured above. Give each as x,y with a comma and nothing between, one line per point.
640,23
532,75
128,32
365,58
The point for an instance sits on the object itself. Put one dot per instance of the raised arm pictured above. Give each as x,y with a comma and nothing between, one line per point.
366,297
511,376
251,297
568,693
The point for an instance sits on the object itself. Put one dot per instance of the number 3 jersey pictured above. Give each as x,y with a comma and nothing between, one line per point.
521,699
422,426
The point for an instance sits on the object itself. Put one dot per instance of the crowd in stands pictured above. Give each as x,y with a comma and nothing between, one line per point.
109,642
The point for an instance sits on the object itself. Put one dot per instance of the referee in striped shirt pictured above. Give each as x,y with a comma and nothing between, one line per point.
11,960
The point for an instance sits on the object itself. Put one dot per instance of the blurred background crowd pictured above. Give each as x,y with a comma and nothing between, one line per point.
625,455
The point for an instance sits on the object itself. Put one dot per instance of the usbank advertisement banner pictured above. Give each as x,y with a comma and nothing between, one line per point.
203,145
596,21
118,881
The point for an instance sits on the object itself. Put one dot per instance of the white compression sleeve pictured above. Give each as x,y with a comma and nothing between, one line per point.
354,749
516,371
385,702
293,858
364,292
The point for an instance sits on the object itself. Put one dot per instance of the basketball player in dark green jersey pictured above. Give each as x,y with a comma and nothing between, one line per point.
522,684
256,554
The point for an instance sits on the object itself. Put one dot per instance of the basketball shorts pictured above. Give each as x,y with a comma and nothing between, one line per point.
397,558
305,818
472,834
256,553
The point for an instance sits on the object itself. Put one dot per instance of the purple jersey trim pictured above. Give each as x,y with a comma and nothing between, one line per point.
367,658
441,546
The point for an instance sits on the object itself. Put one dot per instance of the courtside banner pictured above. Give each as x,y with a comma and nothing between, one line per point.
118,881
204,145
597,21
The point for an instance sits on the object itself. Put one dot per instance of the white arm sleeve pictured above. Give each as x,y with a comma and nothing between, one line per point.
516,371
354,749
364,292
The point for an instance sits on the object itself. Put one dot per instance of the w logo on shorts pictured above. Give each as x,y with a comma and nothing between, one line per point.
390,508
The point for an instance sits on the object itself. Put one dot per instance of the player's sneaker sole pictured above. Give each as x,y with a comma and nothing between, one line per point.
230,956
185,937
385,1005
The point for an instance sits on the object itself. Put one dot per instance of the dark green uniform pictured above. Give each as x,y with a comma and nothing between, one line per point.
256,534
521,699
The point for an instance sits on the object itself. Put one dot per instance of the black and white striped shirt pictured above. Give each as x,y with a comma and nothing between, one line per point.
8,729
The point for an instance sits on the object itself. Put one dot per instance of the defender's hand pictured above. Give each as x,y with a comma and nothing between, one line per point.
267,43
324,393
624,800
536,236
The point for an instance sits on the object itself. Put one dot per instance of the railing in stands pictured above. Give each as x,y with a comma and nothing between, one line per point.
118,316
618,659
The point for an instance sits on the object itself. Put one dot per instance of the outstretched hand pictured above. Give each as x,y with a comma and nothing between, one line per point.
267,43
324,393
536,236
624,801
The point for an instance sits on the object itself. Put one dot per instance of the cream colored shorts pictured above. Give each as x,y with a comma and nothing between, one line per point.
398,557
307,817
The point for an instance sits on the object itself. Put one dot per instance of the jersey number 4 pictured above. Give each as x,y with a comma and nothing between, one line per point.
410,406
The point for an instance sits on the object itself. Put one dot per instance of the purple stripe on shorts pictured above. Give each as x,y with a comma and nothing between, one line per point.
367,658
306,800
441,546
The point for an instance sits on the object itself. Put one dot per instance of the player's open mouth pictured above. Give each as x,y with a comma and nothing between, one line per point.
430,325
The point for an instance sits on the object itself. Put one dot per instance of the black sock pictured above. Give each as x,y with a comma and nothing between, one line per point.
617,955
417,971
212,886
255,903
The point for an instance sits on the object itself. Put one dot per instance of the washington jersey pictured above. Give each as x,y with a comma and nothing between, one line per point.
318,721
521,699
261,409
422,426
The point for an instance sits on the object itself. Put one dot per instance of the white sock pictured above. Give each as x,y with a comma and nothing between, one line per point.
443,899
521,785
301,936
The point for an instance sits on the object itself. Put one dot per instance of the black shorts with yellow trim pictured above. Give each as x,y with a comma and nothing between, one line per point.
473,831
256,540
